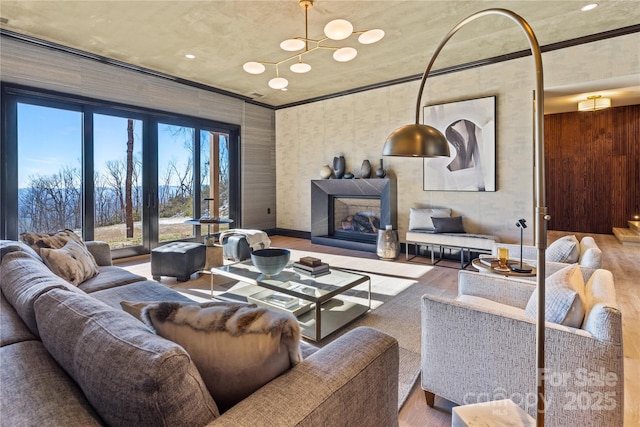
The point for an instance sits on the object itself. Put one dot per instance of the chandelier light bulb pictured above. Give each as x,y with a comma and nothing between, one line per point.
371,36
338,29
278,83
300,67
292,45
345,54
253,67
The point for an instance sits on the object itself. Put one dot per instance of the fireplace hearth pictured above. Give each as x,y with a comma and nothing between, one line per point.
347,213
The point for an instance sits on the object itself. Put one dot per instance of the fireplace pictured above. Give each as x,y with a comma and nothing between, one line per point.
347,213
355,218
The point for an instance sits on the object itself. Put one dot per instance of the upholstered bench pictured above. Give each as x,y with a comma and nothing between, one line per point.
177,259
435,226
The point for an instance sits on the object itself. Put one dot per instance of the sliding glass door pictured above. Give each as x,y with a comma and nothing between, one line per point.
124,175
117,183
176,181
215,178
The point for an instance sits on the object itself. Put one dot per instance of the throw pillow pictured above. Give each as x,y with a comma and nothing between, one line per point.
564,298
57,240
448,225
237,348
565,249
420,219
72,262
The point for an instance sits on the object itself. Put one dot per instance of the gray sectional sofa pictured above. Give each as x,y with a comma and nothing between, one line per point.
70,356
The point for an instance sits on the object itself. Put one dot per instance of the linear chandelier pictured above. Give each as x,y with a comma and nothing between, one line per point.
338,29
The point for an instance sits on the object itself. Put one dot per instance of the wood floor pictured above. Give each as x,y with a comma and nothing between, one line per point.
622,261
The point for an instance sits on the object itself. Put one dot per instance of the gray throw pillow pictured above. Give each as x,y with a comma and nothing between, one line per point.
448,225
420,218
565,249
564,298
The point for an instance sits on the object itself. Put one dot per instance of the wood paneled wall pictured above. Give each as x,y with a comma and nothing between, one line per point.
592,162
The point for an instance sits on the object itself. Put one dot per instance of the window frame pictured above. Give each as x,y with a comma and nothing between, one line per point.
12,95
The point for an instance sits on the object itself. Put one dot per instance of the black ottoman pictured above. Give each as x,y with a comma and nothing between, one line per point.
177,259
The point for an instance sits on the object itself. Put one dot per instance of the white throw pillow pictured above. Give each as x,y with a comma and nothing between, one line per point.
590,253
420,218
564,298
72,262
565,249
237,348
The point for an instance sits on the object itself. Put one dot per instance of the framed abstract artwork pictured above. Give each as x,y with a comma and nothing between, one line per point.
470,129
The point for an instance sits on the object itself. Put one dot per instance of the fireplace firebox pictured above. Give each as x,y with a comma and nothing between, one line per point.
348,213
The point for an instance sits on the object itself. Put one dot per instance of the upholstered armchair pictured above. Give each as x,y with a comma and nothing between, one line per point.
481,347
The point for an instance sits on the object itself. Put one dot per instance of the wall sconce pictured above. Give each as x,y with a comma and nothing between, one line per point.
593,103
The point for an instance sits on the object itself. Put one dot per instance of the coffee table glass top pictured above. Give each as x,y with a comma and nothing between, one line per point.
322,308
316,289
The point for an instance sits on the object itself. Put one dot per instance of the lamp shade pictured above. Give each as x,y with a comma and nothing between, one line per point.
300,67
292,45
416,140
371,36
593,103
338,29
253,67
278,83
345,54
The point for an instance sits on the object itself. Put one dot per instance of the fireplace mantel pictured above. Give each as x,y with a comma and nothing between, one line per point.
322,192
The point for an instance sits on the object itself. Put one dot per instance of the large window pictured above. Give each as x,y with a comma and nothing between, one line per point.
124,175
49,168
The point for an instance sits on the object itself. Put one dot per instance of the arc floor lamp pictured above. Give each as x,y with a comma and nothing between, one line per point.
418,140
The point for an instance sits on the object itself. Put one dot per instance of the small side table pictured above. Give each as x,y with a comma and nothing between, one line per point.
499,413
483,268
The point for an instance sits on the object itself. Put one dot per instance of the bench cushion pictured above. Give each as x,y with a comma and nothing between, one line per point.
467,241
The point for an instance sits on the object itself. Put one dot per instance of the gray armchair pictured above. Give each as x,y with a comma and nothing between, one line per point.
481,347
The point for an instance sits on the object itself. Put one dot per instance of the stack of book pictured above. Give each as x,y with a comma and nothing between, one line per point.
311,266
490,261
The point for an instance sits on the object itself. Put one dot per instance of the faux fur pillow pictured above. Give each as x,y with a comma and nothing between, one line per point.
237,348
57,240
72,262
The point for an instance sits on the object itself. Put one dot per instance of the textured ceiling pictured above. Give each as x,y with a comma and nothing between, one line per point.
223,35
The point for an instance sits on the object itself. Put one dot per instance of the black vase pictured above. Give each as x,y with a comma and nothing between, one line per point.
365,169
380,172
339,166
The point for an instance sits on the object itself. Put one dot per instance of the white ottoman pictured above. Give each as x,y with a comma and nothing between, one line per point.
499,413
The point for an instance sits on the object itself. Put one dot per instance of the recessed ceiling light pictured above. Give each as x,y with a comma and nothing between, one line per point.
189,56
589,7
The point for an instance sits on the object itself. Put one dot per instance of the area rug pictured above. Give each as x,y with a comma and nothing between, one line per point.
395,303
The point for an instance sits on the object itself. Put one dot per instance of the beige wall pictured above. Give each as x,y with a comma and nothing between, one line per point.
357,125
26,64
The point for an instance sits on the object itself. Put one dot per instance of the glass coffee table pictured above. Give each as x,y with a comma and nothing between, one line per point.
317,302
